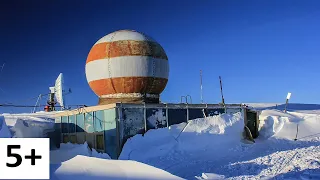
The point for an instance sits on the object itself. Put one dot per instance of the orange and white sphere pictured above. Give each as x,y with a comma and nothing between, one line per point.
127,66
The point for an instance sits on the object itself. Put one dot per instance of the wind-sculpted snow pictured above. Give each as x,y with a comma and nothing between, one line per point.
68,151
212,148
218,130
296,161
208,148
4,130
90,168
33,125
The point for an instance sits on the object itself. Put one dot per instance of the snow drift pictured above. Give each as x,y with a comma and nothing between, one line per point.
211,148
203,133
275,123
4,130
206,148
33,125
276,155
68,151
89,168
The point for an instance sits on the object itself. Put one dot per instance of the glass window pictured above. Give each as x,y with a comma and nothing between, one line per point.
72,124
89,122
64,124
80,122
99,121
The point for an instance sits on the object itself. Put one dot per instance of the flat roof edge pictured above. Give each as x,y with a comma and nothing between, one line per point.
141,105
85,109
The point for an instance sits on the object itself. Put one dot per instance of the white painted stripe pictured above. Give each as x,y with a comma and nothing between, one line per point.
124,35
127,66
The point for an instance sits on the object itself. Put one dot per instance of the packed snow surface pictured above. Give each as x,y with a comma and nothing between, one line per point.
76,161
288,147
90,168
213,147
68,151
30,125
4,130
197,134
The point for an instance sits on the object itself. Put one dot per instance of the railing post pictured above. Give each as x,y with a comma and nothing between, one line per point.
187,113
190,99
167,115
145,117
120,129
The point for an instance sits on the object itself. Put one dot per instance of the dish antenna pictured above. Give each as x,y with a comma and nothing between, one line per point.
56,95
59,90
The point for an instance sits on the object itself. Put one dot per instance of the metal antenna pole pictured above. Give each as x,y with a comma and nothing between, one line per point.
35,107
221,90
201,95
287,101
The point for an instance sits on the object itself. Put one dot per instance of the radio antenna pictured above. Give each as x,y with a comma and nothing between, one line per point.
221,91
201,95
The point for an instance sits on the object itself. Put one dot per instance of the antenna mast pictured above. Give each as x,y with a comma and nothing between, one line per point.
201,95
51,102
221,91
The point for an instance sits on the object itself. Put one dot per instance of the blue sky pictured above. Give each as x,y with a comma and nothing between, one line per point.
262,49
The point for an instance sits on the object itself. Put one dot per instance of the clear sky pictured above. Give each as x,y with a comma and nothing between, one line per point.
262,49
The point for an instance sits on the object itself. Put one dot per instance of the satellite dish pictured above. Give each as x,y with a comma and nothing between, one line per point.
59,90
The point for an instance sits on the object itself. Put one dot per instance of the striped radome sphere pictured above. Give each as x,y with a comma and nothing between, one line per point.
127,66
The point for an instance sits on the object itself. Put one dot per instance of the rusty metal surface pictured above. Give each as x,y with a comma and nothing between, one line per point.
128,85
126,48
104,101
127,62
